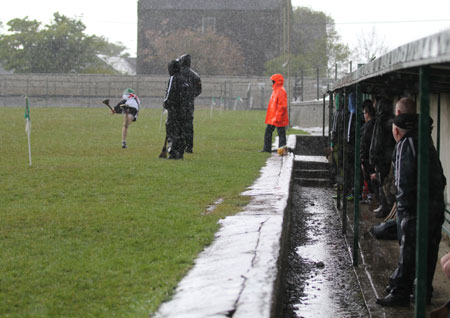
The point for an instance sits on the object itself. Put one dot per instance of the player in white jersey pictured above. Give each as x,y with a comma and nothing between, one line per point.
129,106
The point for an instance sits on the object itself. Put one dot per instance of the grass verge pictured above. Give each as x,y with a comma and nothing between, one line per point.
94,230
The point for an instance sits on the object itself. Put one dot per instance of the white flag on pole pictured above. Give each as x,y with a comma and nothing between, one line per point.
28,126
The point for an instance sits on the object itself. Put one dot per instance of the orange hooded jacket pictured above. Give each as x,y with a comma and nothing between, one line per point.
277,114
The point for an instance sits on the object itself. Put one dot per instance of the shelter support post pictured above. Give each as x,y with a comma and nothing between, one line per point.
330,113
301,86
422,192
335,98
344,163
438,139
318,83
357,173
323,117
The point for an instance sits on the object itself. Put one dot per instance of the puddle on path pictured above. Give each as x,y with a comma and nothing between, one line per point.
320,281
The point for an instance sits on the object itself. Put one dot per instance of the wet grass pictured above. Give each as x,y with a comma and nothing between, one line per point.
93,230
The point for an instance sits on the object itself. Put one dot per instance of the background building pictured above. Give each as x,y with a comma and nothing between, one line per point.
255,25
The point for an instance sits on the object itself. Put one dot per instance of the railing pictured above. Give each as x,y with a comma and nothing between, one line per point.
230,92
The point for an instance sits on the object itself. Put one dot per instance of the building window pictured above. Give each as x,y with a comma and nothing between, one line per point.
208,24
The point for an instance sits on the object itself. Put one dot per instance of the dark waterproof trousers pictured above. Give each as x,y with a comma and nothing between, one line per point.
268,137
350,168
367,170
383,196
189,128
402,279
175,134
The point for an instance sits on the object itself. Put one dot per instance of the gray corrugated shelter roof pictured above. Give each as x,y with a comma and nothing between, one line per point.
433,50
210,4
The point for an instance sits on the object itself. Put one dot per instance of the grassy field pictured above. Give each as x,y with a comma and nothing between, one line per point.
94,230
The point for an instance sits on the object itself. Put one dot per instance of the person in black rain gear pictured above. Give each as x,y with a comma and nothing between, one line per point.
380,154
175,102
405,170
366,138
404,106
195,89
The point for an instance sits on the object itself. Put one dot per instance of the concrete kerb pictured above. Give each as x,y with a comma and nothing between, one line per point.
238,274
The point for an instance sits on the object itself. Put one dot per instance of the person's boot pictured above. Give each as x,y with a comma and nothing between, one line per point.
378,209
175,155
393,300
381,214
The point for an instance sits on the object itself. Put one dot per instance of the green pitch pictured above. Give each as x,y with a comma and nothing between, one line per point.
94,230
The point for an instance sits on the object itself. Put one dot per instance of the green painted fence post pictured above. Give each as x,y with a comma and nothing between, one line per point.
344,163
422,192
356,185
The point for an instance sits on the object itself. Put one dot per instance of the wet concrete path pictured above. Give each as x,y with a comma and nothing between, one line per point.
240,274
320,280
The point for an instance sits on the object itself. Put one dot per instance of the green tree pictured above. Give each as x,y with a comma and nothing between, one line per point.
59,47
315,43
338,53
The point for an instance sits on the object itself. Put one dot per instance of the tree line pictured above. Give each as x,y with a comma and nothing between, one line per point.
59,47
63,46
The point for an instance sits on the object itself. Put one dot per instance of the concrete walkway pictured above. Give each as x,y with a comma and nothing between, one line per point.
237,275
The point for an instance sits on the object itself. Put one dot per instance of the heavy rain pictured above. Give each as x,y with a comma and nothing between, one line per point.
232,158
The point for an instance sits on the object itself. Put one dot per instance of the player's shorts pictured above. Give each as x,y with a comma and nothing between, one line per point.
132,111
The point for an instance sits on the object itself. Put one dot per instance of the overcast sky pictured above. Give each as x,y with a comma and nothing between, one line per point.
395,21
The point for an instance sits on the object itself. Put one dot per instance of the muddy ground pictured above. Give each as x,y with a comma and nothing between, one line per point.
320,280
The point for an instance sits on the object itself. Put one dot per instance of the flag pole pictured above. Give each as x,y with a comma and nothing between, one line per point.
28,126
29,143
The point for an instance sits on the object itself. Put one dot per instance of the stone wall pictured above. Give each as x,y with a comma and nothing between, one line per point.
309,114
76,90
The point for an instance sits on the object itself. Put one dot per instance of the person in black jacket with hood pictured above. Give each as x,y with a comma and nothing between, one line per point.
366,138
175,102
195,89
401,281
380,154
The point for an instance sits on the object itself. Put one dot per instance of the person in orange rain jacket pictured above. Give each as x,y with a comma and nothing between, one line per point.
277,114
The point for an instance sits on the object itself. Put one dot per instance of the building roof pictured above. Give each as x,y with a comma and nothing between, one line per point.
125,66
210,4
404,62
